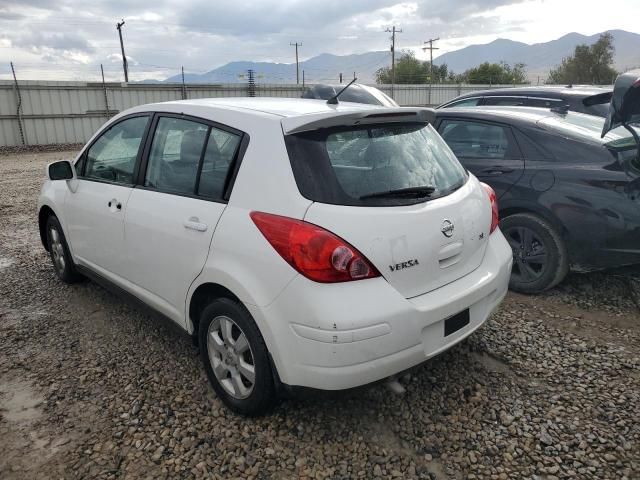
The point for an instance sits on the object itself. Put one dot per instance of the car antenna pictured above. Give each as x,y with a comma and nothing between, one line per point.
334,100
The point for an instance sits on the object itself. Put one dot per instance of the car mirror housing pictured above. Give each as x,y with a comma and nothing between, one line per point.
625,102
62,170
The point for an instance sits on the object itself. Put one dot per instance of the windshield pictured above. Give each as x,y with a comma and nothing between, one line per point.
347,166
600,110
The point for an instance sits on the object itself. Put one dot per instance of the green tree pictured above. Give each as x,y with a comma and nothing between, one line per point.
588,64
495,73
408,70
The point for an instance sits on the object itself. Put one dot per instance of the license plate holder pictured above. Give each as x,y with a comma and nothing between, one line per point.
455,323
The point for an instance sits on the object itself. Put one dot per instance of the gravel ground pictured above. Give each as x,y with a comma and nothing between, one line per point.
91,387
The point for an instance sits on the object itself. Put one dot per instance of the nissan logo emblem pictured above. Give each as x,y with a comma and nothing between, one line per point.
447,228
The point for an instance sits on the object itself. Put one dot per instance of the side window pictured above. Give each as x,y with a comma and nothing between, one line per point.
466,102
534,148
113,156
218,157
479,140
544,102
504,101
174,158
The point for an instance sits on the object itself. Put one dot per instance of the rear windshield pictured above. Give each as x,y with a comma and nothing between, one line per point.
600,110
581,127
343,165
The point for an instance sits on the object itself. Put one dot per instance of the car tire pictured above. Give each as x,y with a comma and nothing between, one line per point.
540,259
231,347
59,252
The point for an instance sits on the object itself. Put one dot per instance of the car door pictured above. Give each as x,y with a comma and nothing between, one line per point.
173,212
95,210
487,149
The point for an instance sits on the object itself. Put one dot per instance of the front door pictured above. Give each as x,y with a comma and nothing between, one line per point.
171,217
95,211
487,149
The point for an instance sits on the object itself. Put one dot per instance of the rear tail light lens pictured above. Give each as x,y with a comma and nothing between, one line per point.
494,207
313,251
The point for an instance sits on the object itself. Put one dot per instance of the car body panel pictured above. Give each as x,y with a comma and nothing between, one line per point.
573,181
408,245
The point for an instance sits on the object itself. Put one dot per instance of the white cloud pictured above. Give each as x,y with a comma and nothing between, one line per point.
202,35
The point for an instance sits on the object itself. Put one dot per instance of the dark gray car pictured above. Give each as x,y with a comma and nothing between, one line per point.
568,198
582,99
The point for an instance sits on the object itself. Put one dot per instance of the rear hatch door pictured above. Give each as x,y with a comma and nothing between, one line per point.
396,192
417,248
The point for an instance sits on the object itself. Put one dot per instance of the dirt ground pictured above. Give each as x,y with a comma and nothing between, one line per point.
91,387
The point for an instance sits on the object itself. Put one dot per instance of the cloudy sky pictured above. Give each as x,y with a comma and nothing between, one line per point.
69,39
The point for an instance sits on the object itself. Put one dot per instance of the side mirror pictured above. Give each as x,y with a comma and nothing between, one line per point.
62,170
625,102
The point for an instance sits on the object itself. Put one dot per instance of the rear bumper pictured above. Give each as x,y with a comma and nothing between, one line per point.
339,336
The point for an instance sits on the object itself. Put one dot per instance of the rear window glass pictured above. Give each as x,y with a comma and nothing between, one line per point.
467,102
341,166
600,110
581,127
505,101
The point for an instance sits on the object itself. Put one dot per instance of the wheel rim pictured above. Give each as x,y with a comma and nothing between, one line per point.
57,250
231,357
530,256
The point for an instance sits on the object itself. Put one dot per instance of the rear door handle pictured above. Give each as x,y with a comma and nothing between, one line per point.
194,223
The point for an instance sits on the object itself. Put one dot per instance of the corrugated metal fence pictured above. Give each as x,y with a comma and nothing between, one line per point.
43,113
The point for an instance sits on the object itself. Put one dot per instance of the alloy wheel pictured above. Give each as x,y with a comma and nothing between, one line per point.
530,258
57,250
231,357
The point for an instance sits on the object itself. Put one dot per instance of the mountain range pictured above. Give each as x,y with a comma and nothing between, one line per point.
539,58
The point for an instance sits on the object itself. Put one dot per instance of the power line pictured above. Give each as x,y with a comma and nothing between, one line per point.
124,57
393,32
431,48
297,63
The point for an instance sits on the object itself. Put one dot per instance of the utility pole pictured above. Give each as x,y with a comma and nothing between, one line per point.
431,48
393,32
297,64
125,66
184,88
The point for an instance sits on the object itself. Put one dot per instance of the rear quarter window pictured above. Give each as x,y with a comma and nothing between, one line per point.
340,166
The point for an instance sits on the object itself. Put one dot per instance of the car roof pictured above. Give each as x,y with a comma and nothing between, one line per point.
523,114
275,106
563,90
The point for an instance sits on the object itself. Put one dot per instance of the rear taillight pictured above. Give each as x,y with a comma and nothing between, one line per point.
494,207
313,251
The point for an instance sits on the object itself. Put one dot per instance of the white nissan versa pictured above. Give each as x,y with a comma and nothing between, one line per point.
302,243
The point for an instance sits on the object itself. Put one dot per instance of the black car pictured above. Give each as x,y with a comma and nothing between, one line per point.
582,99
568,198
357,93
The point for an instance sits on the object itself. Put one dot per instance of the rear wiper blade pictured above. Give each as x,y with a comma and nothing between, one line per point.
423,191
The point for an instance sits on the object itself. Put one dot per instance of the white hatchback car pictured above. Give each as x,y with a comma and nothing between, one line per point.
300,243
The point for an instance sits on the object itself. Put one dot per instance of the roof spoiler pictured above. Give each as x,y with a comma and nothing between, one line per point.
597,99
316,121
